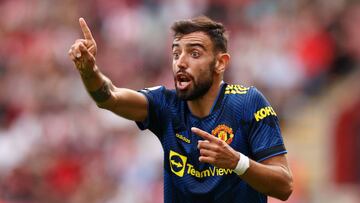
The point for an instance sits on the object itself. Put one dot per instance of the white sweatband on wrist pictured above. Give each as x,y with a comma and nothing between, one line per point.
242,165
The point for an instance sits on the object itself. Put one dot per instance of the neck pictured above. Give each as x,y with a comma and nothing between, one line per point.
201,107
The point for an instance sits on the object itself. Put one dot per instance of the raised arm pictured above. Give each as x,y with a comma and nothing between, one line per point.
124,102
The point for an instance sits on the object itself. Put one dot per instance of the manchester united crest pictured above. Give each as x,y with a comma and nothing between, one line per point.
224,133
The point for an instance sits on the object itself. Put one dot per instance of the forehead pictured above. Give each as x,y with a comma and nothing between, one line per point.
192,39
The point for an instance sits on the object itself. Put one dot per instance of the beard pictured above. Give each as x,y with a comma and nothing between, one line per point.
199,87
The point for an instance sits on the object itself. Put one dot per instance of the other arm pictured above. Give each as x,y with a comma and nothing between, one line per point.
271,177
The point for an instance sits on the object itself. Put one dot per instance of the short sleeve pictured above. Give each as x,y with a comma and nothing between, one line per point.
264,133
156,104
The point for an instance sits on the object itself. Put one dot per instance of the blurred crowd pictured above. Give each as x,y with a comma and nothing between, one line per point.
57,146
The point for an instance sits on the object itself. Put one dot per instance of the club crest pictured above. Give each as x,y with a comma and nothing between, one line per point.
224,133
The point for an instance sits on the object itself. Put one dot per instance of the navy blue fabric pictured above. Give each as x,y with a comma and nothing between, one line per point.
240,111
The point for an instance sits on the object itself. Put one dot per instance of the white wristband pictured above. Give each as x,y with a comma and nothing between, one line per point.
242,165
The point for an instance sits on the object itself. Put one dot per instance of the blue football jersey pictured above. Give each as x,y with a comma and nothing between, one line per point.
241,116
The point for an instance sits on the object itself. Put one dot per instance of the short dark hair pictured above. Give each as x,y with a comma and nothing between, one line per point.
215,30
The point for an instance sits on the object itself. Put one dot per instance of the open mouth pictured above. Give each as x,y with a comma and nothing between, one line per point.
183,81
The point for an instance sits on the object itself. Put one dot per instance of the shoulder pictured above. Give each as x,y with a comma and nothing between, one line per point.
236,89
160,94
247,99
247,94
160,89
239,94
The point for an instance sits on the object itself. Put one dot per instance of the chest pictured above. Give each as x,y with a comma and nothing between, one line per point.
225,126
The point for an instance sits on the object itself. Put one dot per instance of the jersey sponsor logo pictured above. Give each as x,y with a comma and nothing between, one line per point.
223,132
264,112
236,89
183,138
177,163
211,171
179,166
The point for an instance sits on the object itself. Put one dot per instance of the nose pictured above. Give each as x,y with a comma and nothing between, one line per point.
182,62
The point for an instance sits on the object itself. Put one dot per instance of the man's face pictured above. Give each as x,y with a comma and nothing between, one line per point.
193,65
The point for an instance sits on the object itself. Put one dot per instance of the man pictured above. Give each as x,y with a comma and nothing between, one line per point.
221,142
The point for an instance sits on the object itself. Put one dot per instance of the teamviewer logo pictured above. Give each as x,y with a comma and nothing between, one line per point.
177,163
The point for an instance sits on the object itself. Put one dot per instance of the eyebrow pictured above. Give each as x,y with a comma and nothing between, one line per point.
189,45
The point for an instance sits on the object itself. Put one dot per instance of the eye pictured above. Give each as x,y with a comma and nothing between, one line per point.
195,54
176,55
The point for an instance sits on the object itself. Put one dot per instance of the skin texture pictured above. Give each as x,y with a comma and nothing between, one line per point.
193,53
124,102
192,49
193,58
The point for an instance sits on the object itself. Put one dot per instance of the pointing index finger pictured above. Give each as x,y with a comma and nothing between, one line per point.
203,134
85,29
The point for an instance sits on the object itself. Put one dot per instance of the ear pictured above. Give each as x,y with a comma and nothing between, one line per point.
222,60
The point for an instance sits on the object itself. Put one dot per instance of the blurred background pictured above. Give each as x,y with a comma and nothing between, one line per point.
57,146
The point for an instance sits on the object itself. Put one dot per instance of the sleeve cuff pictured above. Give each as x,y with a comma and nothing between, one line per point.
269,152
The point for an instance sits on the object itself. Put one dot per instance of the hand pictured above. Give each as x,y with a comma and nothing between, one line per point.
83,51
216,151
